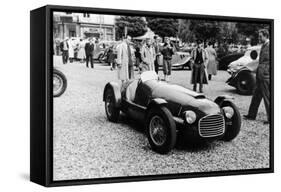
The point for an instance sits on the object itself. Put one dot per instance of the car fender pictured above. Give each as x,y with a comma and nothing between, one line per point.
233,79
117,92
156,102
220,99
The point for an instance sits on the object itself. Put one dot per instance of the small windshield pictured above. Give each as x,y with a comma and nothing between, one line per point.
148,75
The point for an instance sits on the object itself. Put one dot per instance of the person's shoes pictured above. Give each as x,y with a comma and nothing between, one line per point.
266,122
249,117
194,89
201,91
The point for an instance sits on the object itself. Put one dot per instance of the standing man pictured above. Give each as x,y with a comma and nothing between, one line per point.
167,53
124,60
157,52
64,49
148,56
262,79
89,49
200,59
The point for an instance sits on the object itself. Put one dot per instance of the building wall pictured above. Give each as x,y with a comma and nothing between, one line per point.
84,25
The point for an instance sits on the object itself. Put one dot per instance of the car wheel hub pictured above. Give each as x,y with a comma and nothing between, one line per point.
157,130
57,84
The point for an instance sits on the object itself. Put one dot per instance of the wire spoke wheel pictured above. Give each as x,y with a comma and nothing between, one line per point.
157,130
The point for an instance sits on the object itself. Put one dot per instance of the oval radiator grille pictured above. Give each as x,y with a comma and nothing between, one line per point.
211,126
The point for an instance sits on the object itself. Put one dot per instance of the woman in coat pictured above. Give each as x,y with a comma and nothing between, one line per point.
212,61
125,57
200,59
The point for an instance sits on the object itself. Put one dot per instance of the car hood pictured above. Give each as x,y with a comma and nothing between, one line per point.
184,97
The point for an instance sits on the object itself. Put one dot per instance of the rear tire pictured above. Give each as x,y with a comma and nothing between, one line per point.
161,130
245,83
112,112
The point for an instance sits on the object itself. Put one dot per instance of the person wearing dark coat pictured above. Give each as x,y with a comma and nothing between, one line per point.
200,59
89,49
167,52
64,49
111,57
262,90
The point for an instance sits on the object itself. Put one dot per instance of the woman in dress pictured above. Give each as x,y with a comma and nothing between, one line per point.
212,61
81,52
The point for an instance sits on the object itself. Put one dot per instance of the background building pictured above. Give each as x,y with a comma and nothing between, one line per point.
84,25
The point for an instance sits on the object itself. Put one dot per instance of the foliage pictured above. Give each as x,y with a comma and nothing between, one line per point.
136,26
164,27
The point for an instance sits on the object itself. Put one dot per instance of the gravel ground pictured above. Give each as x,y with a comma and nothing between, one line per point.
87,145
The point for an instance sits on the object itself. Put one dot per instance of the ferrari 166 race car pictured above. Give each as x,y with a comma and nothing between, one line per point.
169,110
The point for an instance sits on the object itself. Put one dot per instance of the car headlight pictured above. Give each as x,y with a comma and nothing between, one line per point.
190,117
228,111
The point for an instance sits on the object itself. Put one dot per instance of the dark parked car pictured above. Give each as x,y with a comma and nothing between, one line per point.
226,60
243,71
168,110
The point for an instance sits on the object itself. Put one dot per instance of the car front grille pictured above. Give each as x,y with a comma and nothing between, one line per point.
211,126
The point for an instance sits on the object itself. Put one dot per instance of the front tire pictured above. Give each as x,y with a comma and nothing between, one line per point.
59,83
112,112
233,126
161,130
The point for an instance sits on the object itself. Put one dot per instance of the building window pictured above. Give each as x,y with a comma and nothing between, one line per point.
86,14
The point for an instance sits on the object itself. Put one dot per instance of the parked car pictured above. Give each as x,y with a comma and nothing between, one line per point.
169,110
180,60
99,51
243,71
226,60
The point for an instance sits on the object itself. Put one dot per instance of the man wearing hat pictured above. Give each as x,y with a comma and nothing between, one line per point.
64,49
200,59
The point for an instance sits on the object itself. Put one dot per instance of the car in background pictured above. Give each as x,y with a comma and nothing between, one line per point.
100,48
243,71
180,60
226,60
169,111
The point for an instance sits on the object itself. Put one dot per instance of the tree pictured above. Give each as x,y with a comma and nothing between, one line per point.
136,26
251,30
163,27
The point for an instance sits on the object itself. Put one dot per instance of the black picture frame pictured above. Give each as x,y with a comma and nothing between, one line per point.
41,99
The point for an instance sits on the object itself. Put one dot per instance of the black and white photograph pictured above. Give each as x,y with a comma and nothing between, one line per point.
150,95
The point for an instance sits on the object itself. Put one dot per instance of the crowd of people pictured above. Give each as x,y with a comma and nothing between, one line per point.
147,58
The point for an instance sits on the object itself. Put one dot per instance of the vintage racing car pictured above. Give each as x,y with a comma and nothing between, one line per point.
168,110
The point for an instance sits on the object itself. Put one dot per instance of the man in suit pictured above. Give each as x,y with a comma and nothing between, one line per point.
89,50
124,60
64,49
262,90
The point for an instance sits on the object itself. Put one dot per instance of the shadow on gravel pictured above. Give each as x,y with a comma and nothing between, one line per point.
181,144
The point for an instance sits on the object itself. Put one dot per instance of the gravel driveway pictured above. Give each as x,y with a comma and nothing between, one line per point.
87,145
